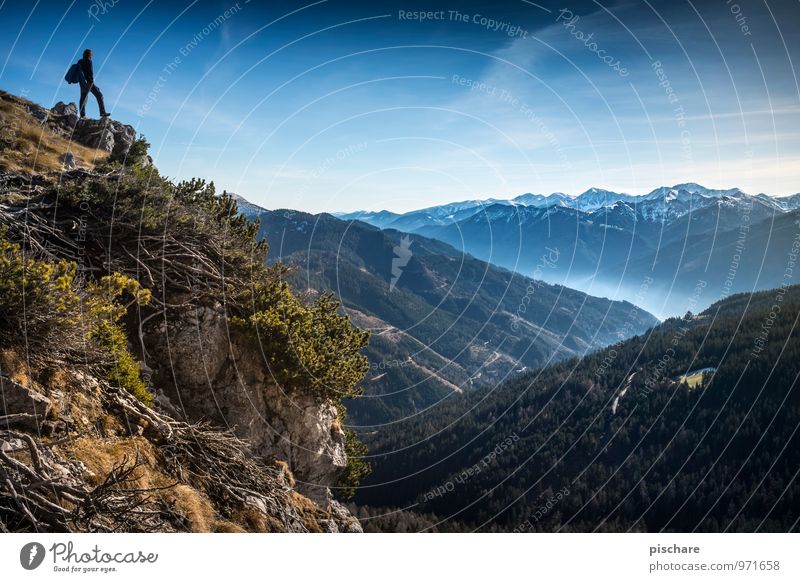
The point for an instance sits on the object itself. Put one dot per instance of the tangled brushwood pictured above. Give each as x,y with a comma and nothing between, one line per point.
170,475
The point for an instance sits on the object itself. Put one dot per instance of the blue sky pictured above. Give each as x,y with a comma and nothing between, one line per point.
325,106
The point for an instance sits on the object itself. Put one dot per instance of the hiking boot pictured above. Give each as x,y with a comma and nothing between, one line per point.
105,115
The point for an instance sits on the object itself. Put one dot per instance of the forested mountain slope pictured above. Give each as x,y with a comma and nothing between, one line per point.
621,439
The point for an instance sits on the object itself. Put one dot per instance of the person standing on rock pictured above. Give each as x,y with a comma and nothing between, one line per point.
88,86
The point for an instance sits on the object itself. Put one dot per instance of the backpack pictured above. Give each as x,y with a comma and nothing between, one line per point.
74,74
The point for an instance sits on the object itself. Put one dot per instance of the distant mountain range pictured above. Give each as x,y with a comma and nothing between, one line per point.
663,201
441,321
614,244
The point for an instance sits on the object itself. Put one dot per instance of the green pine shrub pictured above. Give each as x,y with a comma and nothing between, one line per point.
46,305
105,312
307,346
357,467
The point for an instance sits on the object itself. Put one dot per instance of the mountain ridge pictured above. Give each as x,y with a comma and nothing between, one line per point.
162,379
615,242
591,199
444,319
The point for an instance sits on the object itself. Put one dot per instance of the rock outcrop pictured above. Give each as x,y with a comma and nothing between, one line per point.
22,406
104,134
217,375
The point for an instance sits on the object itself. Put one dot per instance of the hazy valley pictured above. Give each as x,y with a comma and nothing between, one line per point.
610,243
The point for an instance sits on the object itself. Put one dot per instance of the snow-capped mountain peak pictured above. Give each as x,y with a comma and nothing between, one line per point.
691,187
595,198
661,205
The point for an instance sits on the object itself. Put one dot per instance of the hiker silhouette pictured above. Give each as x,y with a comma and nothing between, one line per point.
88,86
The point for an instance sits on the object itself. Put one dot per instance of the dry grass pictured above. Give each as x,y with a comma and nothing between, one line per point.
55,379
194,506
83,407
223,526
26,146
13,366
256,521
100,456
309,512
285,473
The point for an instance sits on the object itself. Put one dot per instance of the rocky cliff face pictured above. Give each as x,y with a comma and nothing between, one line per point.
208,372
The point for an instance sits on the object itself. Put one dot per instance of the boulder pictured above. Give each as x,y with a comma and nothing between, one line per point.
68,159
104,134
342,521
40,113
95,133
64,115
9,444
22,405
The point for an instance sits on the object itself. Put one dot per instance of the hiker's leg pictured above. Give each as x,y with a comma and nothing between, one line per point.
84,97
99,96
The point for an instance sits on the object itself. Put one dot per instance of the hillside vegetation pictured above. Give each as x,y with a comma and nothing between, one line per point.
95,266
615,441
